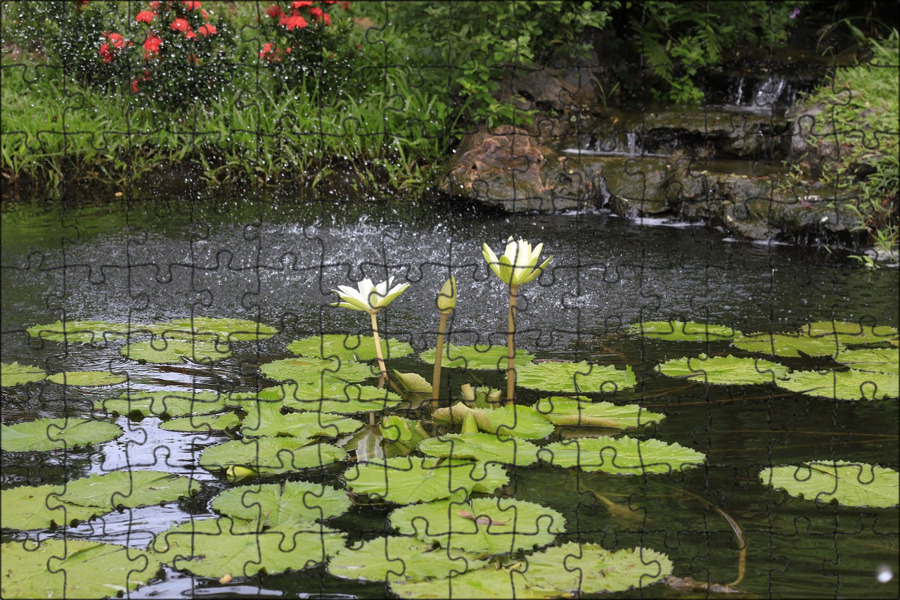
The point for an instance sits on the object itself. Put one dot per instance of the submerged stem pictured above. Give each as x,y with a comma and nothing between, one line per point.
510,346
436,377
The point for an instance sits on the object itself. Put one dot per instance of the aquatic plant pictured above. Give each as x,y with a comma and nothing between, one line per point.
446,302
516,267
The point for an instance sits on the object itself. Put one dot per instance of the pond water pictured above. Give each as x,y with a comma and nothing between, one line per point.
277,263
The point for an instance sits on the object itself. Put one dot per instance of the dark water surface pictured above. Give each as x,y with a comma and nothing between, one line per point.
150,262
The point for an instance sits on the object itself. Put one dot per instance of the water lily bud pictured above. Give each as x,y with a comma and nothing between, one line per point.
236,473
469,424
446,300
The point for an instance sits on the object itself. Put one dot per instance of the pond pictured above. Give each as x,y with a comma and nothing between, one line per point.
277,263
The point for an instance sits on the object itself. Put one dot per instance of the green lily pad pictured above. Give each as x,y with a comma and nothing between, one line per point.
173,404
334,396
486,447
512,419
787,344
399,558
847,483
56,434
574,378
412,382
266,420
174,351
223,330
288,505
681,331
84,331
483,526
842,385
314,372
848,332
349,347
203,423
574,412
398,429
87,378
73,569
562,571
724,370
880,360
16,374
477,357
39,507
621,456
405,479
223,546
270,455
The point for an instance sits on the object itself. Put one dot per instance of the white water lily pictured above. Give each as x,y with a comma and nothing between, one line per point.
367,296
518,265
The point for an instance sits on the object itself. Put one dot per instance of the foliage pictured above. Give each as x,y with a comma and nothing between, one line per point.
56,434
15,374
621,456
847,483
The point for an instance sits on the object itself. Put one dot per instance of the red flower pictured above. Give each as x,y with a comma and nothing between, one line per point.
190,5
145,16
116,40
267,49
346,5
154,5
82,4
190,35
316,13
180,25
205,15
105,53
301,4
207,30
274,11
330,1
295,21
151,46
134,86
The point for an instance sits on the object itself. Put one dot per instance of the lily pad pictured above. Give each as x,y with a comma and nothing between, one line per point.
288,505
315,372
174,351
73,569
267,420
621,456
270,455
848,332
84,331
348,347
87,378
562,571
477,357
842,385
39,507
880,360
16,374
223,330
405,479
847,483
724,370
399,558
787,344
512,419
483,526
413,382
574,412
173,404
203,423
334,396
575,378
682,331
223,546
486,447
56,434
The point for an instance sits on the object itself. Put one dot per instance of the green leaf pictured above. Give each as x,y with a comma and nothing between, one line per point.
684,331
484,583
218,547
575,378
334,396
270,456
84,331
621,456
73,569
574,412
842,385
786,344
348,347
288,505
38,507
724,370
203,424
223,330
880,360
848,332
848,483
512,419
483,526
173,404
399,558
16,374
412,382
55,434
174,351
405,431
484,447
266,420
87,378
405,479
477,357
316,371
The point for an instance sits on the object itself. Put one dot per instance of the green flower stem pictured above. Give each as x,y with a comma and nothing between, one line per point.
510,345
436,378
374,315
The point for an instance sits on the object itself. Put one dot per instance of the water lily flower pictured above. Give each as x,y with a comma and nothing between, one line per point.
517,266
369,297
